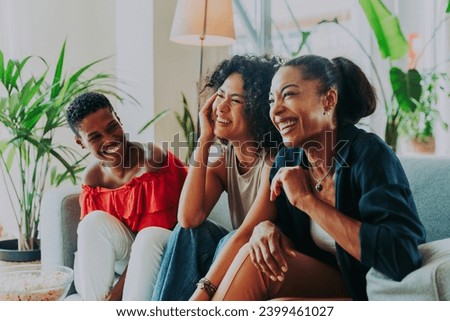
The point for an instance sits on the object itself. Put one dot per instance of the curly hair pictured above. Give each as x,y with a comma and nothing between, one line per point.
84,105
257,73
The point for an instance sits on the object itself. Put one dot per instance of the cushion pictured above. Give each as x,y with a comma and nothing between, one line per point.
428,177
431,282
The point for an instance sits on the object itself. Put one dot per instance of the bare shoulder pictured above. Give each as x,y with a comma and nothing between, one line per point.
217,164
269,159
93,174
155,156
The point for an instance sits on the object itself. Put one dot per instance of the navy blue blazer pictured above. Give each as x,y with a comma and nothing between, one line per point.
371,187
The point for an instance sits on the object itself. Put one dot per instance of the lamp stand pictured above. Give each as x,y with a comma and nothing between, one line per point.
199,89
202,40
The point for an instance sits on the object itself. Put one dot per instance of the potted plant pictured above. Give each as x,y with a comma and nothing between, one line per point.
32,109
186,123
419,126
411,102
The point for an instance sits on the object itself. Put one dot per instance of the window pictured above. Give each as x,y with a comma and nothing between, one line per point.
278,26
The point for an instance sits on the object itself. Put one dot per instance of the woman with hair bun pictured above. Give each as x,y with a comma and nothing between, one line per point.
343,201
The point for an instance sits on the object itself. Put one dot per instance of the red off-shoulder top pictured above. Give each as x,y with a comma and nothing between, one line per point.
147,200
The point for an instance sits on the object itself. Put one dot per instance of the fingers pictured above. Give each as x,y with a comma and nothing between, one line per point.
286,247
206,121
276,261
266,253
259,262
275,187
208,104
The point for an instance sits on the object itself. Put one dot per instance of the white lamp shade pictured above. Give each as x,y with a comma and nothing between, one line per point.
189,24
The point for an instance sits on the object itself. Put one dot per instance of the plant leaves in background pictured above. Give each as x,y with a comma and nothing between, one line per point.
2,67
151,121
186,123
305,36
448,7
407,88
391,41
32,110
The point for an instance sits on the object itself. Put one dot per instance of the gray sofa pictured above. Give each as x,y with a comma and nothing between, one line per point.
429,178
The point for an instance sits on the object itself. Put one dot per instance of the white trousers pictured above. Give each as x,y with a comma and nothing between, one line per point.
106,246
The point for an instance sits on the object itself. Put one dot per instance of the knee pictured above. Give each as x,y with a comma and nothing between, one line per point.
151,239
244,251
92,222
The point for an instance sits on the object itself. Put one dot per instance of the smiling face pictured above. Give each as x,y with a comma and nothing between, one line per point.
297,110
102,134
228,110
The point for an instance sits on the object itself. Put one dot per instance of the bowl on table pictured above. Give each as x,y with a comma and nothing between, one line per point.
34,282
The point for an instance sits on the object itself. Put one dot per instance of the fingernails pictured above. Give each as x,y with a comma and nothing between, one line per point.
284,269
280,278
273,278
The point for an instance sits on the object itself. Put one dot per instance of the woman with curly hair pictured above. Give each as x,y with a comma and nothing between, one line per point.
237,114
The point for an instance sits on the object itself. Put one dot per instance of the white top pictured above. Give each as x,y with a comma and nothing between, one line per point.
322,239
242,188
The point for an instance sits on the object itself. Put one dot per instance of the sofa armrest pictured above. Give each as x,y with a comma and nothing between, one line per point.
431,282
60,215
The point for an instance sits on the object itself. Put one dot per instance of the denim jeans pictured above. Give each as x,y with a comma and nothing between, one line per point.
187,258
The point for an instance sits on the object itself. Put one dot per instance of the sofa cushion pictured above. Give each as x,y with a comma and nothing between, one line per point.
429,282
428,177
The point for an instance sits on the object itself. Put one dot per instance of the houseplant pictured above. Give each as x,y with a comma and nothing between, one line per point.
410,98
186,123
32,110
419,126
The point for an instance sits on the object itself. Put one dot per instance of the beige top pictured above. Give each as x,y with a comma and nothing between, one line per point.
322,239
242,189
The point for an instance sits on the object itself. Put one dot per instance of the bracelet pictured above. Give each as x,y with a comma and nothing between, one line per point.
205,284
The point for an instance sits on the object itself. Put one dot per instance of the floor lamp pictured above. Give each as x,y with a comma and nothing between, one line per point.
203,23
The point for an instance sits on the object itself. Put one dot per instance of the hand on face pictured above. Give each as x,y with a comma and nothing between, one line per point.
268,249
294,181
206,120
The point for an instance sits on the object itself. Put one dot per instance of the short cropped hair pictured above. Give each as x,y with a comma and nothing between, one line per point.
84,105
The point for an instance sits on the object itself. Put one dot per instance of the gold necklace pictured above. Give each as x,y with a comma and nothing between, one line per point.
319,186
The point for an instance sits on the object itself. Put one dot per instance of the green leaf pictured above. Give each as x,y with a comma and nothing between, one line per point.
10,159
18,71
391,41
406,87
58,71
154,119
305,36
53,174
448,7
8,75
77,74
3,146
2,67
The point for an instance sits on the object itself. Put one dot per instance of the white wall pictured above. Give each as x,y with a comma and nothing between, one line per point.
176,70
136,36
39,28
